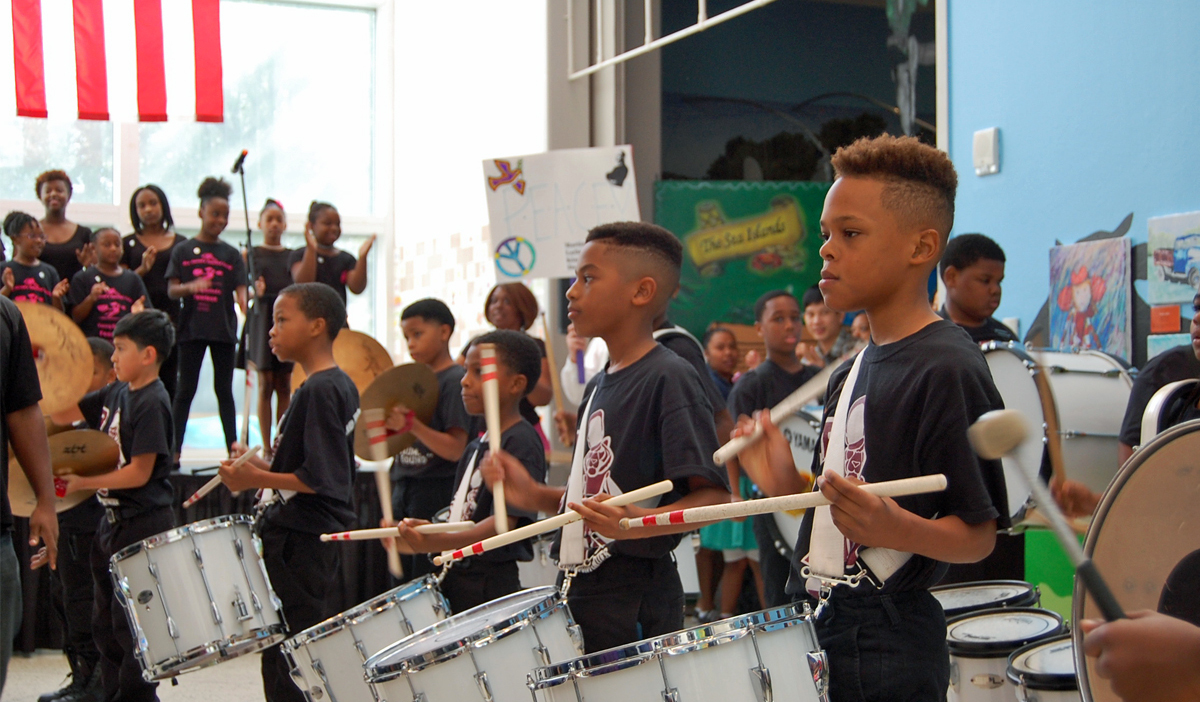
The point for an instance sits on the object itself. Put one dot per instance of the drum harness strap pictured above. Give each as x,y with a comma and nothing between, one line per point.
826,560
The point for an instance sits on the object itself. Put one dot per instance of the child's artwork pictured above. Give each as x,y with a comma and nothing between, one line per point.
1089,293
1157,343
1173,258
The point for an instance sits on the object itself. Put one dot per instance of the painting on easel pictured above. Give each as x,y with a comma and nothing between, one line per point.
1089,297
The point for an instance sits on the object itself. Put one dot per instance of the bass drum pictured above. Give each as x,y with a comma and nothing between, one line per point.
1145,541
802,430
1014,373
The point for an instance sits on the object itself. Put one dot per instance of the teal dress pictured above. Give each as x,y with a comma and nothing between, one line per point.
729,534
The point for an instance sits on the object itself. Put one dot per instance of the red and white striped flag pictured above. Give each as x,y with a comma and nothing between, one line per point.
120,68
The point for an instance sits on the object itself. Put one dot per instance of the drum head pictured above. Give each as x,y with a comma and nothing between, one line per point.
1012,372
996,632
1145,534
802,430
1047,665
963,598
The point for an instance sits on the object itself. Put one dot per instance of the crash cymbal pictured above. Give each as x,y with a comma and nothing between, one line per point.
62,355
412,385
360,356
83,452
23,501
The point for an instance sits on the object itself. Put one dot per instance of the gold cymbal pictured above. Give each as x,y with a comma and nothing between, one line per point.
23,501
360,356
83,452
412,385
62,355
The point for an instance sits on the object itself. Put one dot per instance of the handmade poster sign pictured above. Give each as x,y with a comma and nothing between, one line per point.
1089,297
541,206
1173,258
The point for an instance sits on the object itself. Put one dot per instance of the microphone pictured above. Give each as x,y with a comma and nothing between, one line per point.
237,165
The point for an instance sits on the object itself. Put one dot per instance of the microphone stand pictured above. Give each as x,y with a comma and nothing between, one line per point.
241,171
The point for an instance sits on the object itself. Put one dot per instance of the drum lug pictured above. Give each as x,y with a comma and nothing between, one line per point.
762,677
420,697
953,674
239,605
172,630
485,689
671,695
576,635
1023,694
818,665
542,654
320,670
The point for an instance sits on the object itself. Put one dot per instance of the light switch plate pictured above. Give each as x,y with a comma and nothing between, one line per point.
985,151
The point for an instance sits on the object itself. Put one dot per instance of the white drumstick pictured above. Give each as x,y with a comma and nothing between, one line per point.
805,395
391,532
491,412
383,485
784,503
545,525
212,484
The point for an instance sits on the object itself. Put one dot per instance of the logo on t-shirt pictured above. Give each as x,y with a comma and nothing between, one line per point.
113,429
855,456
597,474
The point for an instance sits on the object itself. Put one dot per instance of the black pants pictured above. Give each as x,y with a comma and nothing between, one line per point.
303,572
120,671
479,582
774,567
885,648
420,498
72,592
191,357
168,372
627,599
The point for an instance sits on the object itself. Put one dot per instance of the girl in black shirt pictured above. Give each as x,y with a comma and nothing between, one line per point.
68,245
207,274
147,252
320,262
26,277
269,270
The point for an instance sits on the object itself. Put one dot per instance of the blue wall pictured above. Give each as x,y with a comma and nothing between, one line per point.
1098,105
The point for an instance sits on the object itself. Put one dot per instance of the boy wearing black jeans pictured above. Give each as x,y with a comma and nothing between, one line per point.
901,409
312,470
645,419
136,412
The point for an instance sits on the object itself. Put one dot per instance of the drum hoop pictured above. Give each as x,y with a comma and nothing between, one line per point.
365,610
179,664
183,532
1028,591
1139,457
989,649
728,630
1040,681
594,665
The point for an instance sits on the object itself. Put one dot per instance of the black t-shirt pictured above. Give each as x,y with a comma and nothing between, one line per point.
19,388
331,270
523,443
649,422
62,256
124,289
272,266
208,315
417,461
765,386
1169,366
920,395
991,330
315,441
140,422
687,348
32,283
156,278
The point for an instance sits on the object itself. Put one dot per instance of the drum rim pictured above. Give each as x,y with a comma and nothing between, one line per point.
630,656
1124,474
173,666
180,533
549,605
365,610
1031,591
1041,681
989,649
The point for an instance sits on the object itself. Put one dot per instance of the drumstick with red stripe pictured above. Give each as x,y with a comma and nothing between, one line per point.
491,412
212,484
383,485
784,503
389,532
545,525
375,427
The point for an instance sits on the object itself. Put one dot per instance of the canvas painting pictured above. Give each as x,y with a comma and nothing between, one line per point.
1173,258
1089,297
1157,343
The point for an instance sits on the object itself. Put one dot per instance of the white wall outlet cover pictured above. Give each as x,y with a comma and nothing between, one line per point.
985,151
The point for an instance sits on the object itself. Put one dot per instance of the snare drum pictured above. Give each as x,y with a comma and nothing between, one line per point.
1144,530
327,659
980,644
802,430
758,656
197,595
1045,671
965,598
484,653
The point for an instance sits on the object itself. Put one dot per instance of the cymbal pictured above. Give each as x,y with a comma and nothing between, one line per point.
62,355
412,385
83,452
23,501
360,356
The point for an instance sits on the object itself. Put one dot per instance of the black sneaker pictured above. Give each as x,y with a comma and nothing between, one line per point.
74,684
93,691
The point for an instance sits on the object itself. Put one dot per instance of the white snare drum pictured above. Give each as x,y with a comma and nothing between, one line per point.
965,598
542,571
484,653
759,656
1013,373
802,430
1045,672
197,595
327,659
980,644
